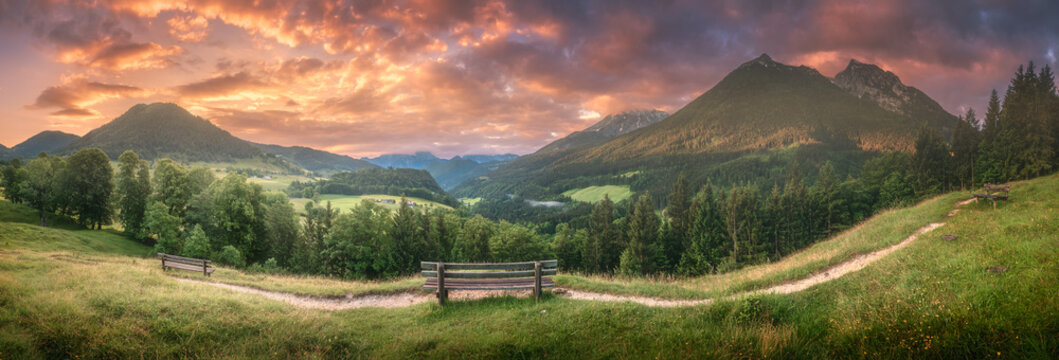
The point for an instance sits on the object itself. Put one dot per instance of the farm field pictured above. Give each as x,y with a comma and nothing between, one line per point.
934,298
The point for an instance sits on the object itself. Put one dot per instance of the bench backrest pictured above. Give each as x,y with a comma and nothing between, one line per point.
183,260
497,270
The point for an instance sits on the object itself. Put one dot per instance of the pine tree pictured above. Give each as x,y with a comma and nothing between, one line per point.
708,235
931,162
641,234
603,249
676,239
965,142
741,219
989,167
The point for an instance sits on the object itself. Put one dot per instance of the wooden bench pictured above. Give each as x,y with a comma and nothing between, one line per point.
497,276
993,192
185,263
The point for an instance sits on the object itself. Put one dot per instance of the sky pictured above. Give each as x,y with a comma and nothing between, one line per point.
364,78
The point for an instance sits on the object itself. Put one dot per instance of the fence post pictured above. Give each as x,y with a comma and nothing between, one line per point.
442,293
537,279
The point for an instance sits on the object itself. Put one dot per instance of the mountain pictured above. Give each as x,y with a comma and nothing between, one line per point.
46,141
166,130
611,126
867,81
450,173
318,161
486,159
4,152
757,122
418,160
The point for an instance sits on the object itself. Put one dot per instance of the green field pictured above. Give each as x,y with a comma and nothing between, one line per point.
347,202
470,201
277,182
94,294
595,193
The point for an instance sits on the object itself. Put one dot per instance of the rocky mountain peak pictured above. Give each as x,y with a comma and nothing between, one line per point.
617,124
869,82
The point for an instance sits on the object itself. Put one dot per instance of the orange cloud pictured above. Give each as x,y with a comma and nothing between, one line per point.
76,94
190,29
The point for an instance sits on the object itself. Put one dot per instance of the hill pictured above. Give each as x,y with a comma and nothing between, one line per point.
317,161
47,141
388,181
166,130
988,293
608,128
758,121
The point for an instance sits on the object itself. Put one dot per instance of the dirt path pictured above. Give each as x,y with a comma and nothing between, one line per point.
412,298
313,302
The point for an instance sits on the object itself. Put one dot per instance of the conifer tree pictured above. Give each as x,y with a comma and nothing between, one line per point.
641,233
603,249
676,238
709,236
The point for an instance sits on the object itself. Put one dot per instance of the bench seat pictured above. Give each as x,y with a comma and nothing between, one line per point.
488,284
177,265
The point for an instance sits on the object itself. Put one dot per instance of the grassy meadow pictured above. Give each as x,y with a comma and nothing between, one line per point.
67,293
348,202
593,194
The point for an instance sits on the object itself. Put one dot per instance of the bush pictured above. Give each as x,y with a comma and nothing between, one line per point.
230,256
196,244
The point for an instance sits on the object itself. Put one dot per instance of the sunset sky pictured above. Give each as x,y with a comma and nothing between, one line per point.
456,77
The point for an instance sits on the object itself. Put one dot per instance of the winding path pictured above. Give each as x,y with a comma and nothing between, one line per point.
410,298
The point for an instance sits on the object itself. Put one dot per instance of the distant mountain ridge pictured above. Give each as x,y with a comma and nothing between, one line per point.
47,141
607,128
447,172
318,161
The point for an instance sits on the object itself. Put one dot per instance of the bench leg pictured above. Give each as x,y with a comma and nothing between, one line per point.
442,293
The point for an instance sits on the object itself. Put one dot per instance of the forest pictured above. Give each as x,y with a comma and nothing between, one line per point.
700,230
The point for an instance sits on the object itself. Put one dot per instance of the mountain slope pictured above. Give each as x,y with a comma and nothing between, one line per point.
315,160
611,126
764,105
46,141
166,130
867,81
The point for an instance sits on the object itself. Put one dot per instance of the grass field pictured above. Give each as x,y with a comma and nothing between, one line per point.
93,294
595,193
347,202
277,182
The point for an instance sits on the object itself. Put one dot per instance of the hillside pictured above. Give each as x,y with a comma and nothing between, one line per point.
46,141
759,120
988,293
868,81
165,130
318,161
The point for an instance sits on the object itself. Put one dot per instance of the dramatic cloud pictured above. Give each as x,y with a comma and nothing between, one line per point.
450,76
75,94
